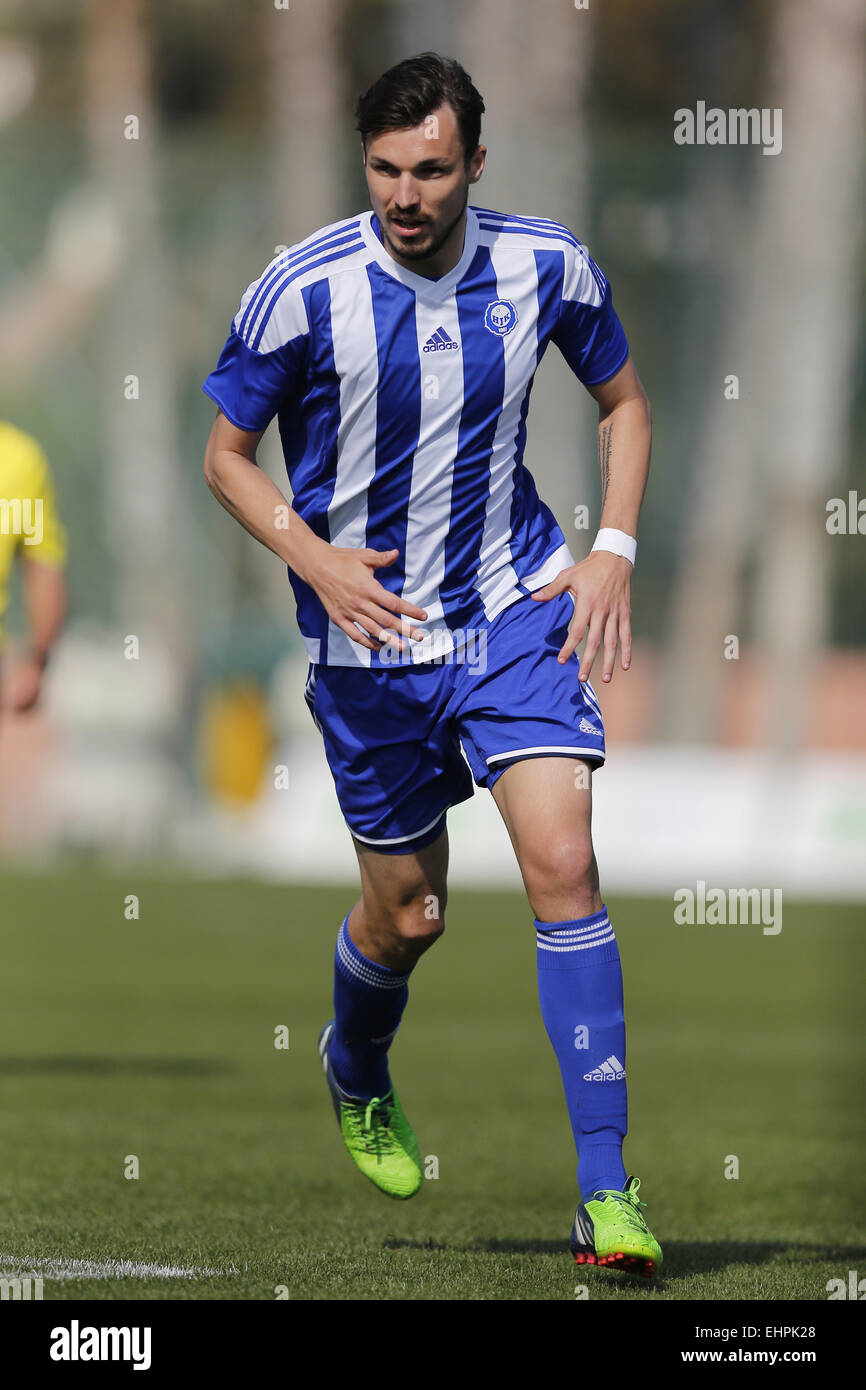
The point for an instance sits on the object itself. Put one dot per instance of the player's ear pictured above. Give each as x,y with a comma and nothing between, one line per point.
476,164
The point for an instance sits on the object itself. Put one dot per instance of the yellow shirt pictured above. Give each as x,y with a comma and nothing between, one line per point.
29,523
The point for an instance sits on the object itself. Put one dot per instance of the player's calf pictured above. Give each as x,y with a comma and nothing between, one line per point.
397,939
402,908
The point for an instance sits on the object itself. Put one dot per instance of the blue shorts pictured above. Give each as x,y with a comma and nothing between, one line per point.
393,737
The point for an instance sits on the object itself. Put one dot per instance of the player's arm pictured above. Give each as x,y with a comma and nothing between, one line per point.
624,439
601,584
45,598
344,579
43,584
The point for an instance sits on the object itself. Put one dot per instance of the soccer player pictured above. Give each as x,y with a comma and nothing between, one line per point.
30,529
437,598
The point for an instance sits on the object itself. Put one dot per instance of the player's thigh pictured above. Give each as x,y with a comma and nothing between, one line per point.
405,890
546,804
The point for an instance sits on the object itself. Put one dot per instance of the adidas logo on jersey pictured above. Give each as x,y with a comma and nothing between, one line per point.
611,1070
587,728
440,342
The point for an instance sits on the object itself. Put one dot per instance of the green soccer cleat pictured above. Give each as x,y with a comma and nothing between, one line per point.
609,1230
377,1134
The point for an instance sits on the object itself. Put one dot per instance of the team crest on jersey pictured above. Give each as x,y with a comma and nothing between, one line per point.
500,317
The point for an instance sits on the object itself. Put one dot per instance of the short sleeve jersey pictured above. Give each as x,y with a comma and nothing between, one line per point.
402,401
29,522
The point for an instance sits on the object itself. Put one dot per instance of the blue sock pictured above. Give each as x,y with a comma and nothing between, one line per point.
369,1000
580,989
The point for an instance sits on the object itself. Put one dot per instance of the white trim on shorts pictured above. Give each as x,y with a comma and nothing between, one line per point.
399,839
519,752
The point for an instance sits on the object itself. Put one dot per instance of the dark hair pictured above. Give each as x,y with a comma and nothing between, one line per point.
404,95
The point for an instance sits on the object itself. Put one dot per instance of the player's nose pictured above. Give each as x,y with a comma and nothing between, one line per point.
406,194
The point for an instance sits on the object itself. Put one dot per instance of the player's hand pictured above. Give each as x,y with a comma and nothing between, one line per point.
601,585
23,685
354,599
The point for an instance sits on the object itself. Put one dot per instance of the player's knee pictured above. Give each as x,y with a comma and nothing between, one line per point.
419,915
415,926
560,868
408,932
410,922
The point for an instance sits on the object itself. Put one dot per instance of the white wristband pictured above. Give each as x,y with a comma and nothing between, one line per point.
618,542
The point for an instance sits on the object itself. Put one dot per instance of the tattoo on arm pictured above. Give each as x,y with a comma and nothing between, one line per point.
604,445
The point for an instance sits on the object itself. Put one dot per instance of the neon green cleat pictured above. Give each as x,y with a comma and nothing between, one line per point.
376,1132
609,1230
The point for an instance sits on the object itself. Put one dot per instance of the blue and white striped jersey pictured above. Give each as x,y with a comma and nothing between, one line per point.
402,402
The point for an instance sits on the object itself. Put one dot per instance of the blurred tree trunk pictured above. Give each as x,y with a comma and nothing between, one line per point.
809,232
141,492
769,458
310,132
724,505
309,122
537,164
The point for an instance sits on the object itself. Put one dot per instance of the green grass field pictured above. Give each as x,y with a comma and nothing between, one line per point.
155,1038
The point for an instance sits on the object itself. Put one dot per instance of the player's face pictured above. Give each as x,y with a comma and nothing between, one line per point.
419,183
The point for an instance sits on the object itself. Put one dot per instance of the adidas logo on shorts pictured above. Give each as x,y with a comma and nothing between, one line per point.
587,728
611,1070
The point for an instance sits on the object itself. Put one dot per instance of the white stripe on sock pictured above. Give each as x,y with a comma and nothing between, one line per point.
366,970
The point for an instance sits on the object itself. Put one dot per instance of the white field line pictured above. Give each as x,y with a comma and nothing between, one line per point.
20,1266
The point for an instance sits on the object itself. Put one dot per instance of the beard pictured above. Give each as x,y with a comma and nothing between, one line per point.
430,245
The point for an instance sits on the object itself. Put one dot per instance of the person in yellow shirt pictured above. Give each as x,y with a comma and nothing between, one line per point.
30,530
